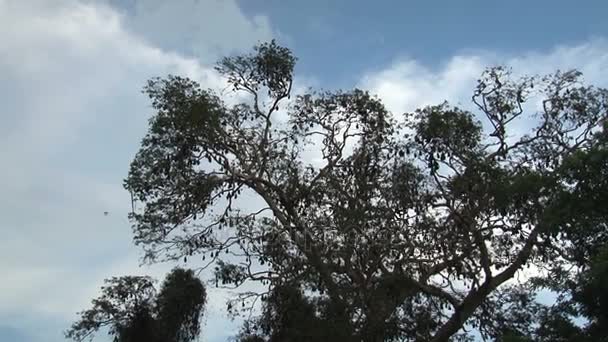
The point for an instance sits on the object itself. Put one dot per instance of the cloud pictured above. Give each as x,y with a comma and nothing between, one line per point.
72,119
408,84
207,29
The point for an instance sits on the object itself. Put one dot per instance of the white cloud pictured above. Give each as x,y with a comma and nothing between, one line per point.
206,28
408,84
73,116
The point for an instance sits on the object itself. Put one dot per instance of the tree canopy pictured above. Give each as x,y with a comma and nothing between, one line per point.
399,227
134,312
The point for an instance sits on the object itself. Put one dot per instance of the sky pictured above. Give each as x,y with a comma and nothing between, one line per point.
72,113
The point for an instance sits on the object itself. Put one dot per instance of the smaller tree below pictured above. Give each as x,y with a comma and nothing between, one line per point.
133,311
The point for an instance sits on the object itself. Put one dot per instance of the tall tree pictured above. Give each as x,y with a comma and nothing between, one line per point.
409,227
133,312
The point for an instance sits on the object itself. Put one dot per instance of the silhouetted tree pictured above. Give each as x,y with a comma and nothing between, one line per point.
579,271
408,227
133,312
288,315
179,305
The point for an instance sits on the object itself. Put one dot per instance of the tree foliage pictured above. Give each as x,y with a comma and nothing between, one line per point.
408,228
579,273
289,315
133,311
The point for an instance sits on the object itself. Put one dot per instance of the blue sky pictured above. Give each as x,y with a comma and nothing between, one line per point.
73,115
370,35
